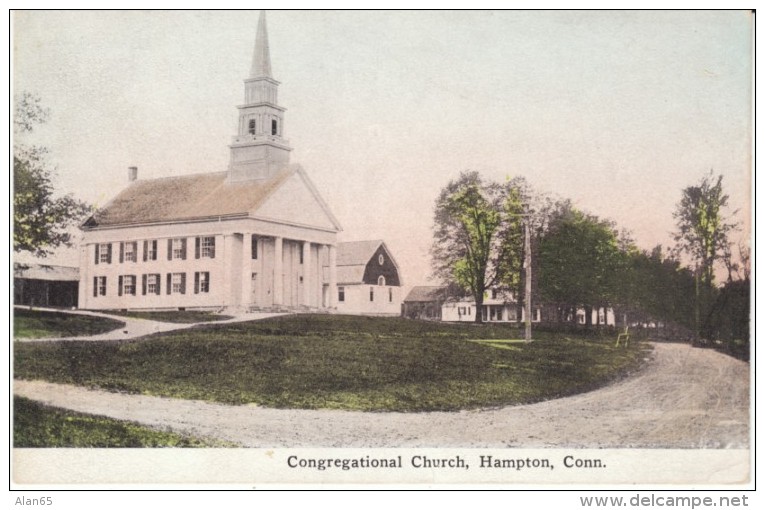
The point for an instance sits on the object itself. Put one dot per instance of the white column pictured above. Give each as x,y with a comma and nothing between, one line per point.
331,302
85,291
246,275
278,271
307,273
225,255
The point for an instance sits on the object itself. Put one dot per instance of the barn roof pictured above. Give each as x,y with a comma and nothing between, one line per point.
356,252
46,272
352,260
187,197
426,293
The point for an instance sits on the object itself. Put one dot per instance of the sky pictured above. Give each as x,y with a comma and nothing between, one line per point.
617,111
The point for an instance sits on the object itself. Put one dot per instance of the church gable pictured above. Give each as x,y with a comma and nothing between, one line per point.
297,202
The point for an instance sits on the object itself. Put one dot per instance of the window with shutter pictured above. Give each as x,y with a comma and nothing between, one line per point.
152,283
178,249
177,282
201,282
127,285
127,252
104,251
207,249
99,286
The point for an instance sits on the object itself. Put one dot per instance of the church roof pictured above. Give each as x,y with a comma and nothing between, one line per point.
186,197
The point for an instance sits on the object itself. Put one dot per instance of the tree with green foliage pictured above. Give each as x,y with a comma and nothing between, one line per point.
656,289
41,220
703,231
478,236
580,263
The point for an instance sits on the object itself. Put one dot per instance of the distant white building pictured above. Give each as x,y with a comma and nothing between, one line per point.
368,279
255,235
498,306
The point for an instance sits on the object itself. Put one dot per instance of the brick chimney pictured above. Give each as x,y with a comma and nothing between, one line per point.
132,173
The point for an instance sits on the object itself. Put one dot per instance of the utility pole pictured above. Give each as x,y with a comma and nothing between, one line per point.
527,263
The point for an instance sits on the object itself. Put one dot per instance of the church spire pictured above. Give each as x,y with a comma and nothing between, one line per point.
261,59
259,149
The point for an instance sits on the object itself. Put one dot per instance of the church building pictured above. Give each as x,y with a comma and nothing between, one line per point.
256,235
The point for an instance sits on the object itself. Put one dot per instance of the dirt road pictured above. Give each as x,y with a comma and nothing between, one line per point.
684,398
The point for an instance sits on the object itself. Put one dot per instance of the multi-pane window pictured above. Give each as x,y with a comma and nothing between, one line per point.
274,127
390,295
178,283
254,247
128,252
99,286
104,253
341,294
204,247
176,248
150,250
201,282
371,293
251,127
126,285
151,284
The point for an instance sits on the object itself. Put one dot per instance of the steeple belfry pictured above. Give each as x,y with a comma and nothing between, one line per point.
258,150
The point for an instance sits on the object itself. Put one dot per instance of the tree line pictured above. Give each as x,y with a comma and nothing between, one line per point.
581,261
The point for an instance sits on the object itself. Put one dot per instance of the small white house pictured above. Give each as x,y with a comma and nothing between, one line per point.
498,306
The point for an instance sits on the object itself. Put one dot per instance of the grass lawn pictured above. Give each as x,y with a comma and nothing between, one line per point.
343,362
41,324
39,426
177,316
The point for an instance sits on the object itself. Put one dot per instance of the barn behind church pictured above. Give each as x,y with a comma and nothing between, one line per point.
368,279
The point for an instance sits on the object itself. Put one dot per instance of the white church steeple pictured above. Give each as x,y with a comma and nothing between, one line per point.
258,150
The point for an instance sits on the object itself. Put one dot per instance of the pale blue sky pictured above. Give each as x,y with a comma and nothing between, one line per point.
616,110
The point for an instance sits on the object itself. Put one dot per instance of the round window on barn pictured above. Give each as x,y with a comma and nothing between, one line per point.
381,259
